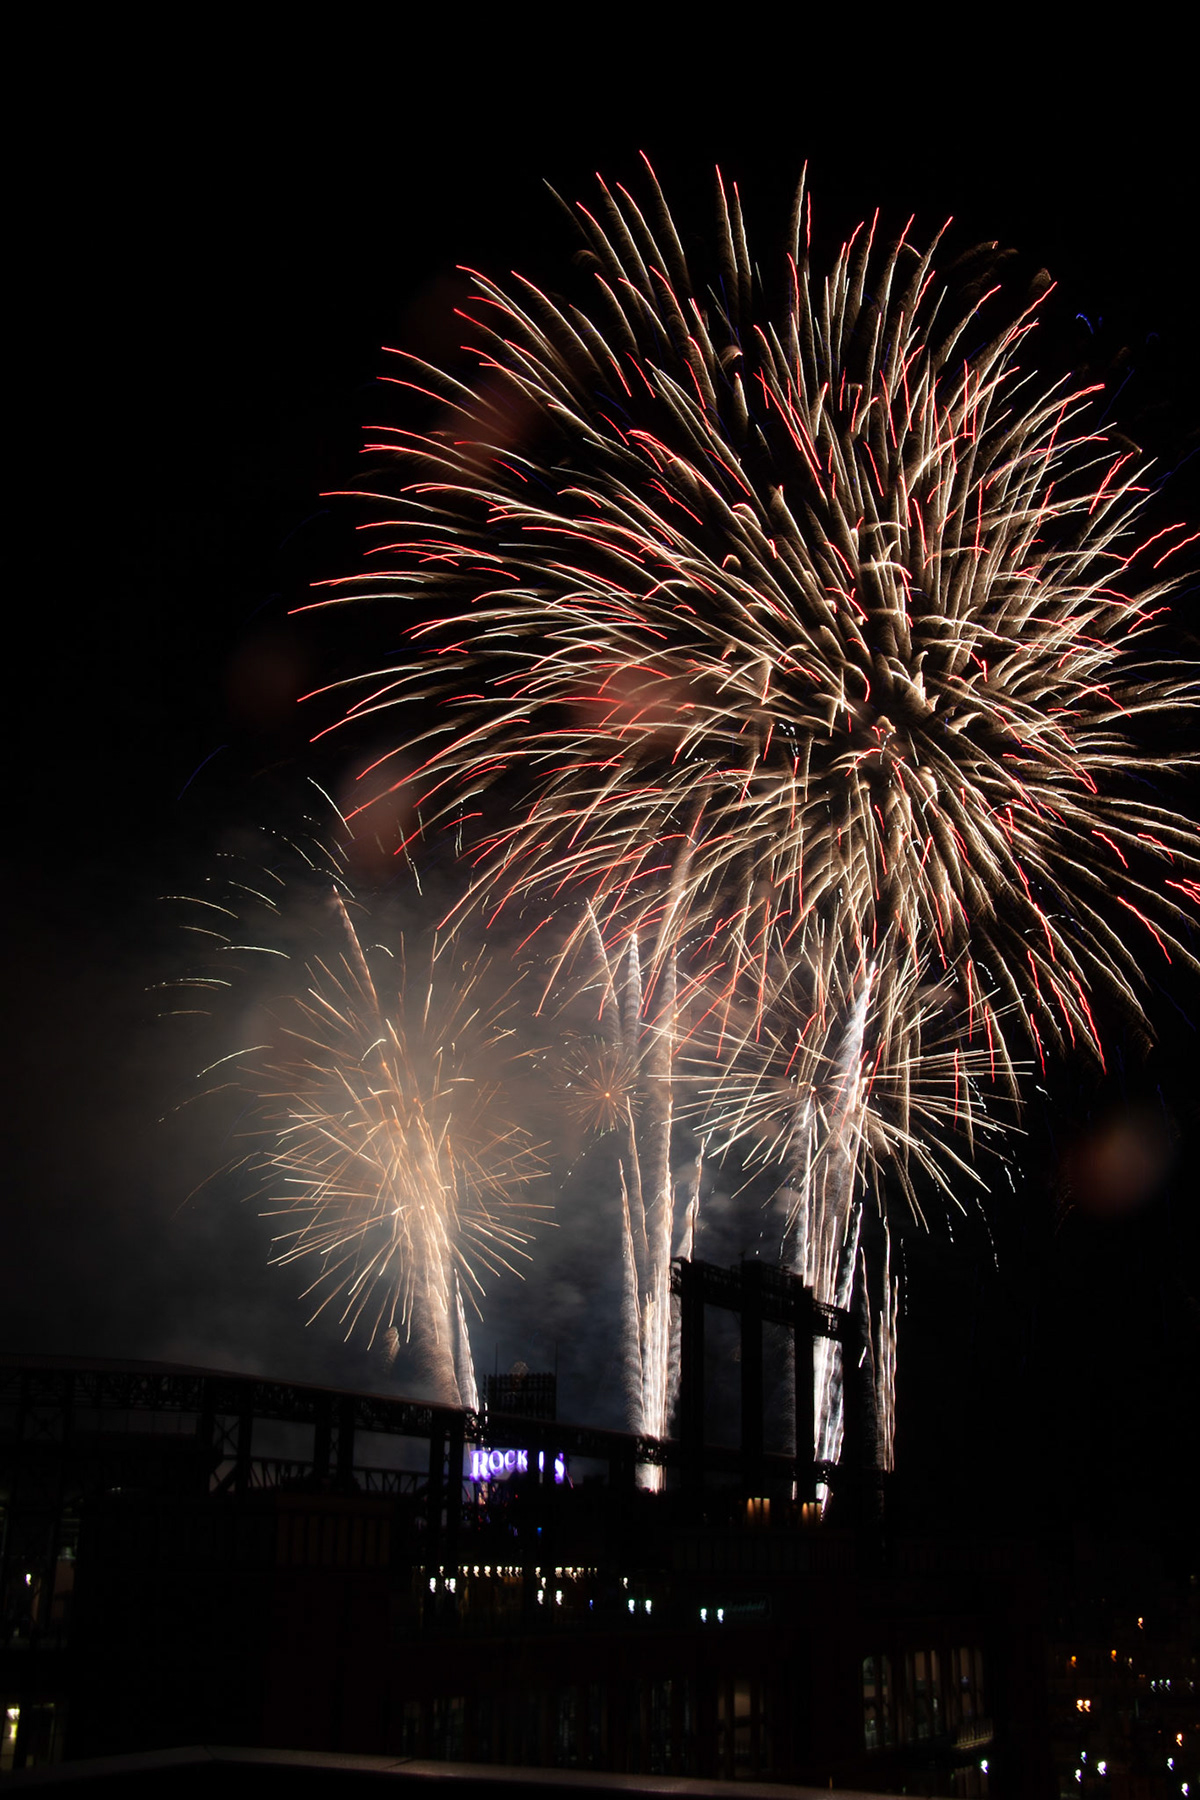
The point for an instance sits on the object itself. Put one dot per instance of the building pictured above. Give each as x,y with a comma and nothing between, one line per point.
196,1557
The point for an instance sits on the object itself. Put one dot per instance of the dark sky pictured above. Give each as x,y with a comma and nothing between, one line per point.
218,243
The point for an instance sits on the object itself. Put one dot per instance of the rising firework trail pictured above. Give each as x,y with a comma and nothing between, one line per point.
795,1085
382,1151
795,620
623,1081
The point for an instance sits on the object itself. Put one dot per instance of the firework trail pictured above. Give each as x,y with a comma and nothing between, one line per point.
883,1357
791,620
799,1093
379,1140
795,1083
625,1082
829,1217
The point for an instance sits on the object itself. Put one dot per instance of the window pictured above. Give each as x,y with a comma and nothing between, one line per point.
566,1729
924,1695
877,1702
743,1739
659,1761
966,1704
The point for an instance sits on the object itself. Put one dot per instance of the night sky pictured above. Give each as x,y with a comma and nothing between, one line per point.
218,246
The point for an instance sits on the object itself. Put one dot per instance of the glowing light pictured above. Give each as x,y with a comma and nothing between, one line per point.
810,639
643,1027
377,1133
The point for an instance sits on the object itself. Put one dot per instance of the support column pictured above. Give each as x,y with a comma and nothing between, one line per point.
455,1439
245,1435
802,1342
436,1487
752,1377
691,1373
206,1426
861,1485
622,1471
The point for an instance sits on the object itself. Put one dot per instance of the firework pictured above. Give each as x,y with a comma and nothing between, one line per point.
622,1081
801,626
383,1153
797,1084
599,1085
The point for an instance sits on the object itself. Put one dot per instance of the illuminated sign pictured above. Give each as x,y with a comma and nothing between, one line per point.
498,1465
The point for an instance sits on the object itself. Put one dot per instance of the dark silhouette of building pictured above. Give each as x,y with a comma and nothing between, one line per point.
522,1394
192,1557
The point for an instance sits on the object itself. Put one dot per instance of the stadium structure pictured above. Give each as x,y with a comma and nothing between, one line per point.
192,1557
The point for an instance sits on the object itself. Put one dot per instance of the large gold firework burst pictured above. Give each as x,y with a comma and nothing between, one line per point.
786,629
792,615
378,1133
394,1166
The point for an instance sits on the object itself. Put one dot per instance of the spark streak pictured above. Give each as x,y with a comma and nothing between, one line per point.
804,626
378,1133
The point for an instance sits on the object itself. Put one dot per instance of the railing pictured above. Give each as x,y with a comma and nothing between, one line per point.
281,1472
